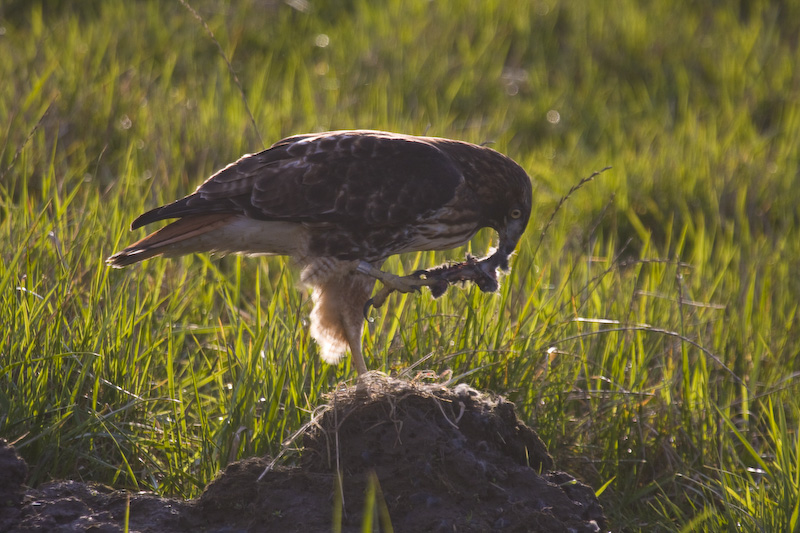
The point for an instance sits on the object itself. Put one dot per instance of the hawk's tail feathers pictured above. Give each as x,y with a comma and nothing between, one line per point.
175,239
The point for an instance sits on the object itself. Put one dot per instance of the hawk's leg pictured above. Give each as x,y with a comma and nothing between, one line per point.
394,283
354,340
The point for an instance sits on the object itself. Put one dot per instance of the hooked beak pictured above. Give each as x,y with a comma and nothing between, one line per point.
509,238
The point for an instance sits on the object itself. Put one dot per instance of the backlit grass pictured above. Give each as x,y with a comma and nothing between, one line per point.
650,335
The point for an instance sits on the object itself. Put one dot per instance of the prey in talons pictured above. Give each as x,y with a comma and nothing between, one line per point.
482,272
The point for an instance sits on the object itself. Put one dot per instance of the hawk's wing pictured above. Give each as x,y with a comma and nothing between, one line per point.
364,178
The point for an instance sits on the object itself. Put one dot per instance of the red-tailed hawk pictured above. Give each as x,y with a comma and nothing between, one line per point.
339,203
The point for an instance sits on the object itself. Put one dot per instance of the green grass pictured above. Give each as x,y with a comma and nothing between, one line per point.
651,339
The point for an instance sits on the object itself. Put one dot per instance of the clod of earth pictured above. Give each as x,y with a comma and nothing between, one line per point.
444,460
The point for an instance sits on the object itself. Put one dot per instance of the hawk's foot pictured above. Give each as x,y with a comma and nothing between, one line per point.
394,283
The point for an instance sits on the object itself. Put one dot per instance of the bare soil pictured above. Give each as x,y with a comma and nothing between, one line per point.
435,459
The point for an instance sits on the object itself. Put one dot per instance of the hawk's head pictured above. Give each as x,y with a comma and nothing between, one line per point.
504,190
513,210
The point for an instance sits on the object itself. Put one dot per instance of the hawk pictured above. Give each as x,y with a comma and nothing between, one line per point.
339,203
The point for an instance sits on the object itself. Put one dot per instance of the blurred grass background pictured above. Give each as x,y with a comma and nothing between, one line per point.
651,335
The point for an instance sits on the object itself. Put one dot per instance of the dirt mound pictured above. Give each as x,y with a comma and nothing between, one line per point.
433,459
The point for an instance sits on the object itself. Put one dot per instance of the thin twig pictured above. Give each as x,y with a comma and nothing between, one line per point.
30,136
561,202
202,21
662,332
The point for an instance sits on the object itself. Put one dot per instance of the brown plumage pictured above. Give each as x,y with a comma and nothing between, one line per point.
339,203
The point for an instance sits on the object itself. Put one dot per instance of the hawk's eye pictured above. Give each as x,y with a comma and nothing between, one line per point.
515,213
